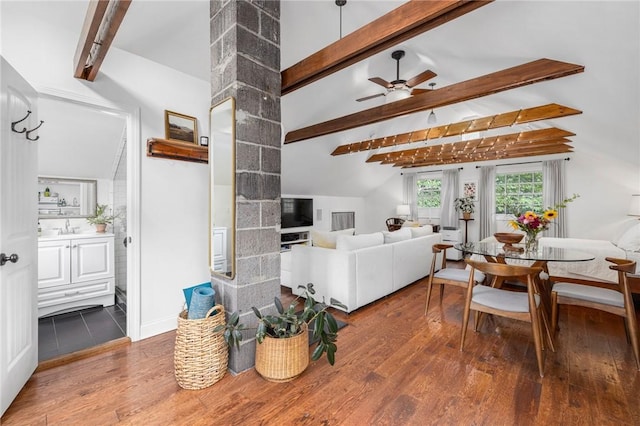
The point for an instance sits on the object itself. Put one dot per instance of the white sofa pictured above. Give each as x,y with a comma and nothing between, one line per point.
363,268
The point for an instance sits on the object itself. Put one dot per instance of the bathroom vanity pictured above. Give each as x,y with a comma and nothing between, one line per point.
75,270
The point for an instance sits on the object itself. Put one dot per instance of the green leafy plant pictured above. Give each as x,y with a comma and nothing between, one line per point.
289,322
465,204
101,216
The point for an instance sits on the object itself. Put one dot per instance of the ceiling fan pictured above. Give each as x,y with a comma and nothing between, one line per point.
399,84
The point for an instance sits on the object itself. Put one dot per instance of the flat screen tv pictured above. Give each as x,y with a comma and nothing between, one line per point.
296,212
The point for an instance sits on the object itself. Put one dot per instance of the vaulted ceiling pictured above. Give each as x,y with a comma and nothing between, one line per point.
602,36
495,37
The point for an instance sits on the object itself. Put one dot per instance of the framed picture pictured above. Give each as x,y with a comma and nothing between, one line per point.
180,127
204,141
469,189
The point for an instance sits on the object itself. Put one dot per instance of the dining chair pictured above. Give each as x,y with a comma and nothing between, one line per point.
451,276
618,302
523,306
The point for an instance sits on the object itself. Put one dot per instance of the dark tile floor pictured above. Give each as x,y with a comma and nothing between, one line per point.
73,331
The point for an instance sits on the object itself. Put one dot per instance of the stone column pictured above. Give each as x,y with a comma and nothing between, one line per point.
245,58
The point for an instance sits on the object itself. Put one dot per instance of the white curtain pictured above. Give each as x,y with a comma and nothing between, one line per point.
342,220
553,192
410,185
448,193
487,201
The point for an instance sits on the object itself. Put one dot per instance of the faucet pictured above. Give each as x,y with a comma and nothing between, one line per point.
66,227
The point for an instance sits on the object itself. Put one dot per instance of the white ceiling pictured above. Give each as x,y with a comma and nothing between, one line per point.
603,36
77,141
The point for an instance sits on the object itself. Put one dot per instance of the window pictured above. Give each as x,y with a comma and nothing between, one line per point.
518,192
429,193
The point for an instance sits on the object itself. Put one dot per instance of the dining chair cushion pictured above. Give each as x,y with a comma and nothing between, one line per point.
455,274
505,300
590,293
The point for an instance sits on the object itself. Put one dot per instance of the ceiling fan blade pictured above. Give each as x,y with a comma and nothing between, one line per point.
421,78
370,97
381,82
419,91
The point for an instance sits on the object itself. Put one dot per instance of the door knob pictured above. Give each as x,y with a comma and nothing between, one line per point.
4,258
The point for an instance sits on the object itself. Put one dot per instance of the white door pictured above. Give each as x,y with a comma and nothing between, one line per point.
18,235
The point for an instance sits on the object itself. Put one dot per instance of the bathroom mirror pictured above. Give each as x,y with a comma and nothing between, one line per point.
222,166
68,198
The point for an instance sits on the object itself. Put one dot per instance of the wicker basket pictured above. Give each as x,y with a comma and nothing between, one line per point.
200,356
282,360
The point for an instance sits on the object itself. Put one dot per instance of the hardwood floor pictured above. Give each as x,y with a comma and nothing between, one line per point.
394,366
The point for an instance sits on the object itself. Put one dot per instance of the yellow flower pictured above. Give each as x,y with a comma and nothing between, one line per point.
551,214
514,224
530,215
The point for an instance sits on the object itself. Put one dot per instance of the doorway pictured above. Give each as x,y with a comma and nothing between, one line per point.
86,140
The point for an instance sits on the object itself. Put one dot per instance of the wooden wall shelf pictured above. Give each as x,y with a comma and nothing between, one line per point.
176,150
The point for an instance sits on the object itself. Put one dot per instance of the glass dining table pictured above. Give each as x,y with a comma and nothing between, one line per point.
540,257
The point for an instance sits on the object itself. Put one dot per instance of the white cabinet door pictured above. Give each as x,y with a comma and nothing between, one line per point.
54,262
92,259
219,247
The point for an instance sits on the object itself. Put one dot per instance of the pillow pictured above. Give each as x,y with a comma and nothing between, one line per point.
355,242
327,239
421,231
410,223
630,240
395,236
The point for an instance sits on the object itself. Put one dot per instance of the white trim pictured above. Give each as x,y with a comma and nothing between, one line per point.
132,116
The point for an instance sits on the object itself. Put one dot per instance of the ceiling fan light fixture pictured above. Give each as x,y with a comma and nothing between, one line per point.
397,94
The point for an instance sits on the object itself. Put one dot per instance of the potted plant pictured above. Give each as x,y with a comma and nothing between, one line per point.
282,350
465,205
101,218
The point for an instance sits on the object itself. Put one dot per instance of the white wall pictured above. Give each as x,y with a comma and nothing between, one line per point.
604,180
174,194
327,205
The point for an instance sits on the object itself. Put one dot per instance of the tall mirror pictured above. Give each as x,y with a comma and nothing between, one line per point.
222,165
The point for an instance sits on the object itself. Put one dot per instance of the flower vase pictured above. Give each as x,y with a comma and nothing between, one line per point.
531,241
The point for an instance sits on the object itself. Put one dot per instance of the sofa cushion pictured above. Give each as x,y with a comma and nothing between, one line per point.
355,242
410,224
421,231
327,239
395,236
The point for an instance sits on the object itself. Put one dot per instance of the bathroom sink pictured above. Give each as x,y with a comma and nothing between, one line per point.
49,233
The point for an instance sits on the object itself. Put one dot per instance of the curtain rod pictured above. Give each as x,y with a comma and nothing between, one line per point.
524,162
434,171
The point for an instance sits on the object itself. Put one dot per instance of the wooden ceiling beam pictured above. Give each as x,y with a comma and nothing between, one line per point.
100,26
553,149
506,119
401,24
528,136
491,152
511,78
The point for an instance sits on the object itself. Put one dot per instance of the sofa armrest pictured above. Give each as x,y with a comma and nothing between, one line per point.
332,273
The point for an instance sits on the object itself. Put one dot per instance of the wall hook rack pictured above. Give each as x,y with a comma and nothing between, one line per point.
13,123
33,130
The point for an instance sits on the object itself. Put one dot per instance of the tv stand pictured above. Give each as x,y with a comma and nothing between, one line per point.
288,238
